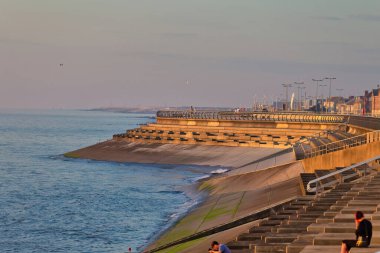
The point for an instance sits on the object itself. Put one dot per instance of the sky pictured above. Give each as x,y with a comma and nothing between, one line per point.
181,52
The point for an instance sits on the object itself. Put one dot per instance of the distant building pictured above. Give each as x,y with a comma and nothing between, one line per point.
372,103
332,103
354,105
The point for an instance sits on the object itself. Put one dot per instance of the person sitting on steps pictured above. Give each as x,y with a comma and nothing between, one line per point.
363,234
218,248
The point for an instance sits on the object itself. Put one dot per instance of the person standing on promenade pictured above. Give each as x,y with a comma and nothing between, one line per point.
363,234
218,248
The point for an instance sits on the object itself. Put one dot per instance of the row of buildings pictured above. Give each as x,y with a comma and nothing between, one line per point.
368,104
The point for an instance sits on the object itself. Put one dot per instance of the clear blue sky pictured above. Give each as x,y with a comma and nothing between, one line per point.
180,52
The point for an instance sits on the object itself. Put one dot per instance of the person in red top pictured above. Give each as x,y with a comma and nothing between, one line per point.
363,234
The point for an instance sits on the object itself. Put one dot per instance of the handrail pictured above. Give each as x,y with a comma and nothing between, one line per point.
341,144
316,181
254,116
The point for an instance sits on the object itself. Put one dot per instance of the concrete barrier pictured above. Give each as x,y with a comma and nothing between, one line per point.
342,158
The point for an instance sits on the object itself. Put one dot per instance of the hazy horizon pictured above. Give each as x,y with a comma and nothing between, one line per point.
175,53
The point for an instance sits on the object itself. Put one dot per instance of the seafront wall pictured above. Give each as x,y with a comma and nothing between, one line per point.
245,124
121,151
342,158
269,130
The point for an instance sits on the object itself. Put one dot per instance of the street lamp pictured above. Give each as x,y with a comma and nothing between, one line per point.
316,94
330,78
303,101
298,96
286,86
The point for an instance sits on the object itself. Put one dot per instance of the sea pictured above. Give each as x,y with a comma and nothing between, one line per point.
49,203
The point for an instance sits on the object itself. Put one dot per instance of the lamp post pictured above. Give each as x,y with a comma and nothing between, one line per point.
330,78
322,85
303,88
286,86
316,94
298,95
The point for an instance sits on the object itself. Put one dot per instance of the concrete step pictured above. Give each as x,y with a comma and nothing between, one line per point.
340,228
299,244
250,237
282,239
330,214
279,217
300,222
272,248
310,215
289,212
332,238
317,208
354,209
291,229
362,203
242,251
317,227
363,197
344,218
369,193
323,220
371,249
294,207
240,244
319,249
342,202
336,208
270,223
262,229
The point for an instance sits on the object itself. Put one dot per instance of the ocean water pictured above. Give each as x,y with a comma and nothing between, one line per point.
49,203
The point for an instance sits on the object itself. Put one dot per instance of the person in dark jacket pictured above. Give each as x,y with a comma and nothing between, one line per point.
363,234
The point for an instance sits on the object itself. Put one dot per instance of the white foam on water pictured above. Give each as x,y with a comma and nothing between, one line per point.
219,171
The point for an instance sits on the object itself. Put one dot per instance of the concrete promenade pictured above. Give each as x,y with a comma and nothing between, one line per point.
270,157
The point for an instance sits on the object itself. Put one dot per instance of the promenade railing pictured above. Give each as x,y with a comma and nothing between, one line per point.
344,144
368,122
255,116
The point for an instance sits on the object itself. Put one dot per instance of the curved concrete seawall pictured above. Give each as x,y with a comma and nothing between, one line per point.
121,151
257,147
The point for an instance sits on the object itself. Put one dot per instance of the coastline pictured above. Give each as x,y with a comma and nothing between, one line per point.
196,199
249,173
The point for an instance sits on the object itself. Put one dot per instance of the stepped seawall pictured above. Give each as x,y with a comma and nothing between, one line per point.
271,157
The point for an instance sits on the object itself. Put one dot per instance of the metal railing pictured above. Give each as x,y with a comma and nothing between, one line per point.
318,181
343,144
369,122
254,116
